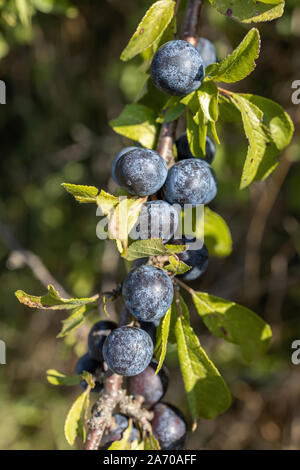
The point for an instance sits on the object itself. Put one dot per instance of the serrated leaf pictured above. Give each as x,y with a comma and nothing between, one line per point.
240,63
207,393
76,319
74,424
196,132
257,137
176,266
150,28
217,236
84,194
250,11
106,202
162,335
52,300
234,323
151,443
137,122
152,247
281,130
58,378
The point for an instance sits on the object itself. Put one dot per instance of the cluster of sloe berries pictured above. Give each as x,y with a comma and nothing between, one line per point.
168,424
178,69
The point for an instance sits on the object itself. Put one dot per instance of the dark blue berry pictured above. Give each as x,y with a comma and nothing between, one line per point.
150,327
184,151
148,293
197,259
177,68
152,387
169,426
190,181
128,350
141,172
86,363
157,219
115,433
97,336
116,159
207,51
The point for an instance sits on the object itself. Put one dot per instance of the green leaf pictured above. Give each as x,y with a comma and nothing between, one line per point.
74,424
106,202
151,443
240,63
137,122
234,323
76,319
208,100
152,247
171,111
217,236
196,132
52,300
281,130
150,28
250,11
123,444
207,393
176,266
24,10
58,378
257,136
81,193
228,111
162,336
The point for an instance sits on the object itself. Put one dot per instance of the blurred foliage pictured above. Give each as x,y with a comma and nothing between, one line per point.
65,81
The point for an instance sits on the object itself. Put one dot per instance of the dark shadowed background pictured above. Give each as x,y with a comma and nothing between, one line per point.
65,81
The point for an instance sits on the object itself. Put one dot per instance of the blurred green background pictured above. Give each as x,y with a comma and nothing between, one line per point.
65,81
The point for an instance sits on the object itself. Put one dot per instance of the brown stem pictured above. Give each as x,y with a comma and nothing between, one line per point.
168,130
184,286
103,410
191,23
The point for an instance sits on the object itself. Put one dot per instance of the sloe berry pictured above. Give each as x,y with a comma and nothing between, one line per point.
197,259
115,433
184,151
148,293
86,363
157,219
177,68
152,387
141,172
97,336
190,181
128,350
207,51
169,426
116,159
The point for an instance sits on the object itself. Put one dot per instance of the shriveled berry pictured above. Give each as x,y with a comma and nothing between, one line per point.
148,293
128,350
115,433
152,387
169,426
